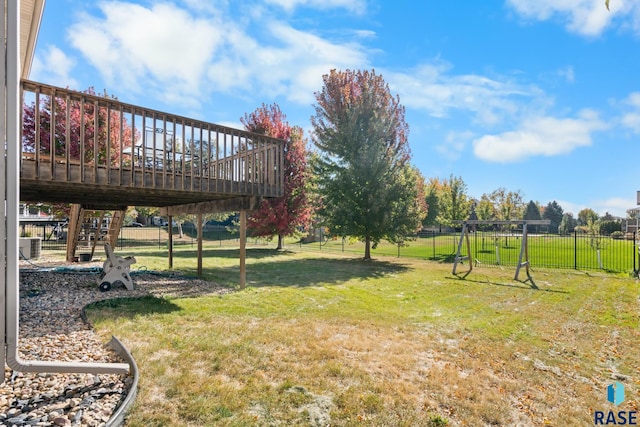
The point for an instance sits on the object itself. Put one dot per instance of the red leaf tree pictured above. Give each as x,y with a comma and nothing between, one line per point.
82,120
100,130
282,216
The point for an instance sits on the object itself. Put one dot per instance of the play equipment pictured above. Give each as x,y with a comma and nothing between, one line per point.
523,259
115,271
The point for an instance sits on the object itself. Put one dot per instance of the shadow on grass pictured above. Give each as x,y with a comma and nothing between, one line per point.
253,253
518,285
134,306
270,267
304,272
446,259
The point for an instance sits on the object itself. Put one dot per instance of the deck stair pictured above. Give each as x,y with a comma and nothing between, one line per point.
88,228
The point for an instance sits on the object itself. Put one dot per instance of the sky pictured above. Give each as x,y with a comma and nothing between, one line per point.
541,97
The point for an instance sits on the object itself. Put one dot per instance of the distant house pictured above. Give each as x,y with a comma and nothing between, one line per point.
33,213
631,223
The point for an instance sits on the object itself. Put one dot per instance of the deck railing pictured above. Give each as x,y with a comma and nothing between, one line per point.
86,138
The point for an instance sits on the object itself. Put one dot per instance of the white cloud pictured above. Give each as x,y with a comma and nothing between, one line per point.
631,119
230,124
585,17
570,207
354,6
567,73
292,66
182,57
148,49
432,88
539,136
616,206
54,68
304,59
454,145
634,99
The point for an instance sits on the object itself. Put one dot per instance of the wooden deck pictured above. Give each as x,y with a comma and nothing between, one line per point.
94,150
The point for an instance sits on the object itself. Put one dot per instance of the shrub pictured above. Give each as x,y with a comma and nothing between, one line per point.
609,227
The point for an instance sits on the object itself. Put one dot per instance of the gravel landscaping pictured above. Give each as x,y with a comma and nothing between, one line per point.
52,328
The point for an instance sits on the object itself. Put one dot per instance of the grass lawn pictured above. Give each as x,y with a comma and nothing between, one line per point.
321,339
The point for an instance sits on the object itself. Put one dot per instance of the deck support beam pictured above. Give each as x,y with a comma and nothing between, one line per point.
76,217
243,248
224,205
170,243
241,204
199,221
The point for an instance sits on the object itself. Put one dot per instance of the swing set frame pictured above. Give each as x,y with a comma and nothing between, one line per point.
523,258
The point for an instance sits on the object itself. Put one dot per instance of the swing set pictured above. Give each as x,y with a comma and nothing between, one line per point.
523,258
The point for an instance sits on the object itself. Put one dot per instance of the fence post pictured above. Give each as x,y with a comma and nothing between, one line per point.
575,250
635,252
433,245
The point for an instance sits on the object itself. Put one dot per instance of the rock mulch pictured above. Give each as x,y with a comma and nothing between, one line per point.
52,329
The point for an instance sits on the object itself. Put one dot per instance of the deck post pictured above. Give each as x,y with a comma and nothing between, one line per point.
199,221
243,248
170,242
76,218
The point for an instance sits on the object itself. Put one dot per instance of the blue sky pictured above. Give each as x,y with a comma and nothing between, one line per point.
537,96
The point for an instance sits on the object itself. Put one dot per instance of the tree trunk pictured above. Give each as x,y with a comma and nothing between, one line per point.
367,248
280,242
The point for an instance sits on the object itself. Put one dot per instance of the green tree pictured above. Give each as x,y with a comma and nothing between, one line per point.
143,213
587,216
554,213
596,240
407,205
361,135
608,227
485,210
532,212
453,201
567,224
607,217
508,204
433,188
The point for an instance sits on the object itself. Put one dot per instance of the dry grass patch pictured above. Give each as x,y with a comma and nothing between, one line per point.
391,343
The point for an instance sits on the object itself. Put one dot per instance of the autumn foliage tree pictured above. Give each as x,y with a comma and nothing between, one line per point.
281,216
87,130
362,170
79,129
453,201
